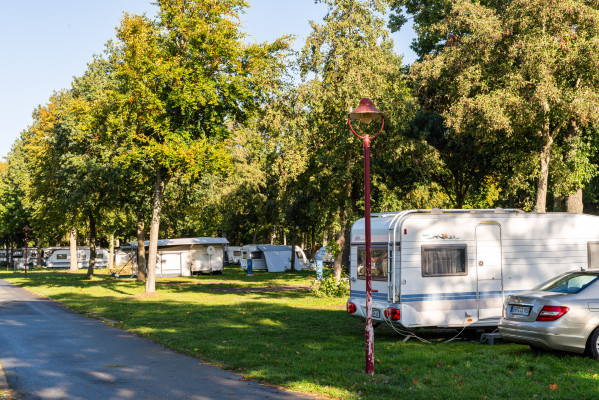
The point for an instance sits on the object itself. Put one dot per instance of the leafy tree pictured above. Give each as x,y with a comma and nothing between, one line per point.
182,79
15,209
426,15
49,195
523,69
350,56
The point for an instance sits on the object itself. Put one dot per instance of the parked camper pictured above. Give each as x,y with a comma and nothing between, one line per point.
453,268
323,255
124,255
46,252
274,258
60,257
4,258
188,256
19,257
233,255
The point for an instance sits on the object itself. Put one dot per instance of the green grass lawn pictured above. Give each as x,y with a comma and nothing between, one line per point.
296,340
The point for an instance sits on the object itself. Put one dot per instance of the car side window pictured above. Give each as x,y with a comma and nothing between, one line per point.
572,283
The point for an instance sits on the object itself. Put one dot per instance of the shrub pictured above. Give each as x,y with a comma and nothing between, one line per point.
329,287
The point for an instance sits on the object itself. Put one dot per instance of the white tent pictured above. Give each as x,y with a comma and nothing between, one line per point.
278,258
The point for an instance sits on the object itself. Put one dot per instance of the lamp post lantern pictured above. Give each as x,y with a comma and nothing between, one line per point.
26,229
366,112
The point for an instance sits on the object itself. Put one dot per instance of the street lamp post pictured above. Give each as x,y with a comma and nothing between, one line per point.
26,229
366,112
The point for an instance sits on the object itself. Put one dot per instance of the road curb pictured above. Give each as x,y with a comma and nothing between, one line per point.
3,381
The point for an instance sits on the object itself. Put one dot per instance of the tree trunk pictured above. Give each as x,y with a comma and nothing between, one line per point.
293,248
141,249
74,267
541,203
154,230
574,202
340,243
313,242
92,245
111,251
558,202
39,254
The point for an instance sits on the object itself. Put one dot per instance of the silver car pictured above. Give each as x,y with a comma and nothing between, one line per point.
560,314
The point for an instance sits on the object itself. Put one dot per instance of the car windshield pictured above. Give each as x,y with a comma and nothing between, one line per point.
569,283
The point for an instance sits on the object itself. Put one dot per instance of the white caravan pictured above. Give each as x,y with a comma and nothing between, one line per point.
453,268
61,258
19,257
187,256
233,255
271,257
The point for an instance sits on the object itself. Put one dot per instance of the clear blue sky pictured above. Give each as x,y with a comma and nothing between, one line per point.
45,43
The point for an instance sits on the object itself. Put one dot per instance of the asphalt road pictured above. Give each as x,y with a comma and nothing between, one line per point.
49,352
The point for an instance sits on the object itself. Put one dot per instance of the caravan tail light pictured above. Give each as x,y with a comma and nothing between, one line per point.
351,307
551,313
392,314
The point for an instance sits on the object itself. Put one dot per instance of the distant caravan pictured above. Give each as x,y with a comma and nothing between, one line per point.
60,257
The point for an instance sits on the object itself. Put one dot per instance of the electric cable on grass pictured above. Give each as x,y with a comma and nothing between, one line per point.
407,334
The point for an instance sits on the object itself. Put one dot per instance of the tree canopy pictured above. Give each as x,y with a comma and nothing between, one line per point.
184,127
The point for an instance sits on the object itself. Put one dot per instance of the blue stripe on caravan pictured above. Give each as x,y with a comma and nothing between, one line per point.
408,298
362,293
490,295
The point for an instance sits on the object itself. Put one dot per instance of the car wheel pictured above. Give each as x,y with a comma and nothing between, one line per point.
593,345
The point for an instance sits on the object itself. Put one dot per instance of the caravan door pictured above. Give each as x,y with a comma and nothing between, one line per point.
488,268
170,264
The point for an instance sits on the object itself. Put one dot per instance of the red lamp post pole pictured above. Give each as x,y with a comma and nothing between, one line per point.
369,328
366,112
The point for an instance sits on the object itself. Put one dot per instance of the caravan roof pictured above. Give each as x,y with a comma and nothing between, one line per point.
186,241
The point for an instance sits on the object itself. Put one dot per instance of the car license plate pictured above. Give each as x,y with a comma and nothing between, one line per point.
520,310
376,313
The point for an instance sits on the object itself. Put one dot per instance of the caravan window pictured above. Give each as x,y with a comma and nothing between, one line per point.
237,253
61,256
378,256
444,260
255,255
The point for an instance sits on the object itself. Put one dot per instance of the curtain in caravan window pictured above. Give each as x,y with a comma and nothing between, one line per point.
442,261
